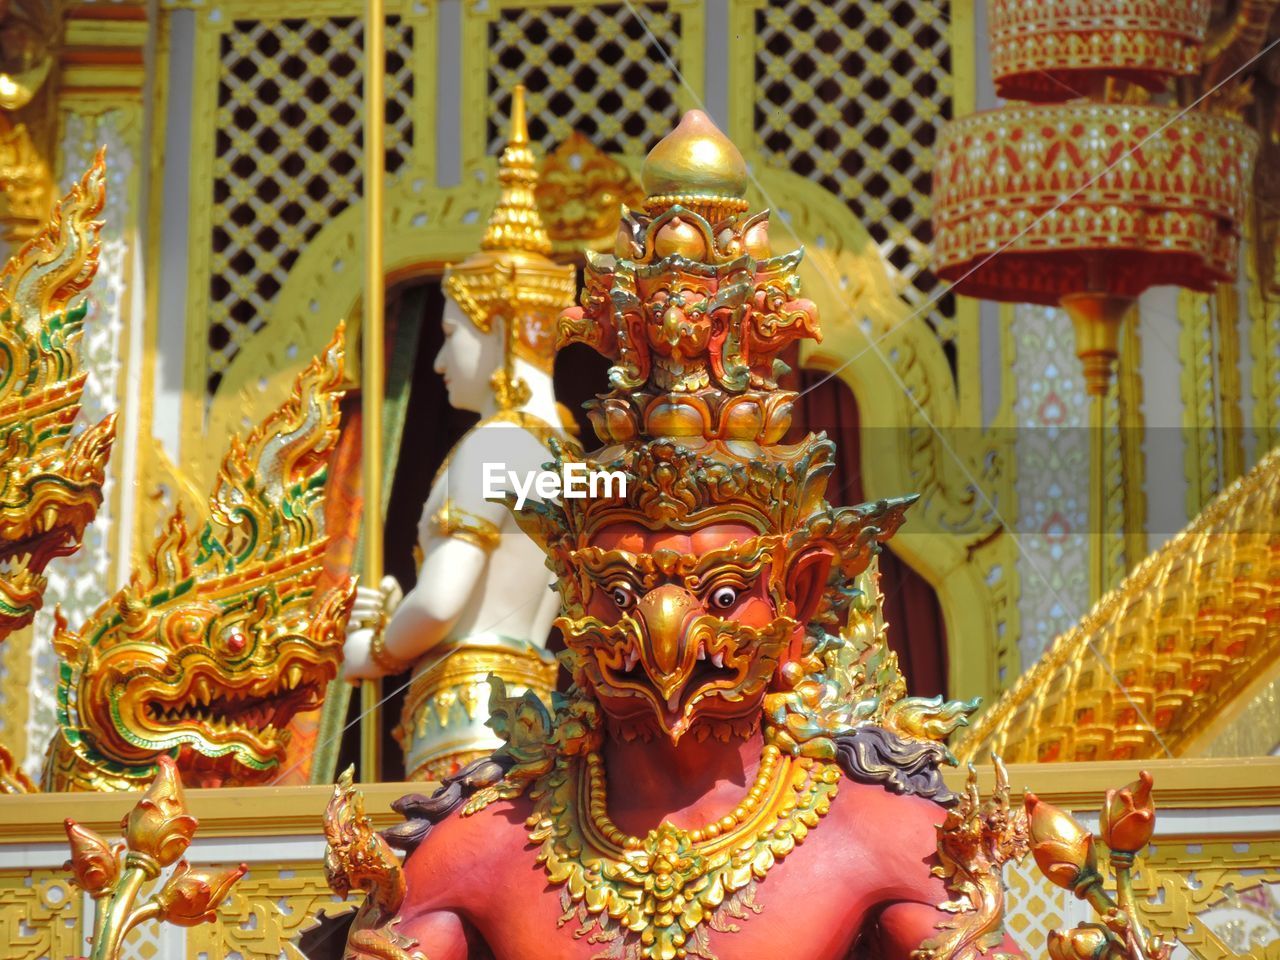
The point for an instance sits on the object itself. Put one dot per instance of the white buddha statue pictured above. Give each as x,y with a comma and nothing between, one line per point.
482,601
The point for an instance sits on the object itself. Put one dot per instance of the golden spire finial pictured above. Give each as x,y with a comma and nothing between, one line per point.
515,224
511,276
695,160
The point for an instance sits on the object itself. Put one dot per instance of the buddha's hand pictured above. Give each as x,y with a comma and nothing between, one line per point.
362,655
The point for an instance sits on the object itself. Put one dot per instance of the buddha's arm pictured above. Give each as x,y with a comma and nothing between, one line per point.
458,531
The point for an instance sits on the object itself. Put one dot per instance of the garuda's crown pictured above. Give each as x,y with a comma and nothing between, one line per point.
222,637
693,310
512,280
50,483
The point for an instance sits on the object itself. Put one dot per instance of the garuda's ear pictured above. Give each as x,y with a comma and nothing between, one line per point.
807,575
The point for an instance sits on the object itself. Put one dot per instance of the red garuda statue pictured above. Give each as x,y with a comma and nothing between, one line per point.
735,770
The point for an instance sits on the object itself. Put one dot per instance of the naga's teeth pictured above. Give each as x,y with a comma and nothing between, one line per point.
718,659
702,652
293,679
631,660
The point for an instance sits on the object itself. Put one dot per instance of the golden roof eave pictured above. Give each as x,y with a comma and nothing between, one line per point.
1187,633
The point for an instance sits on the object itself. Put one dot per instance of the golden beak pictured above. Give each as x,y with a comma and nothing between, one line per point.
665,614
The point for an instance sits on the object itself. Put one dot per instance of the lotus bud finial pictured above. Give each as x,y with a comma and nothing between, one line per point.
159,827
93,863
192,897
1129,816
1087,942
1063,849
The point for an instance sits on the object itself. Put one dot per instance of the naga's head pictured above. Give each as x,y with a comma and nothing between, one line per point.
50,481
227,634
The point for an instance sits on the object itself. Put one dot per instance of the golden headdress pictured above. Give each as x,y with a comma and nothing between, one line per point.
511,278
693,309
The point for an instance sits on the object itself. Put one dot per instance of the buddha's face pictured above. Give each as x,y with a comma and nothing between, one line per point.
683,630
468,359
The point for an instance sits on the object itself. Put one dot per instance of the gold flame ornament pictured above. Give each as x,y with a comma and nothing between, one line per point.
975,841
222,636
357,858
157,832
511,281
50,479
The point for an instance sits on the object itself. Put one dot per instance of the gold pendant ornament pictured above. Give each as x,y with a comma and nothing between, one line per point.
655,897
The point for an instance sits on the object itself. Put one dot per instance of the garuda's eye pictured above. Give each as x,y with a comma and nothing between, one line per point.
722,598
622,594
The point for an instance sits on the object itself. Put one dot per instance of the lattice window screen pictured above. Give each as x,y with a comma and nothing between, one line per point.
592,69
287,156
851,94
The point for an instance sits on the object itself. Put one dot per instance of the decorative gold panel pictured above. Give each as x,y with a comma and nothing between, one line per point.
851,94
271,907
1209,354
1264,347
1218,898
286,152
1160,662
39,915
599,68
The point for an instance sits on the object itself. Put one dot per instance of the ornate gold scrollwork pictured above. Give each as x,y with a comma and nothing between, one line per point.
50,481
226,632
975,841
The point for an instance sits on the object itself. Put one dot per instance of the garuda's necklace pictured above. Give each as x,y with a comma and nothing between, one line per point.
654,897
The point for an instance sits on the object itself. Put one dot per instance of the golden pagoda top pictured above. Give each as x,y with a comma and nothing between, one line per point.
515,225
511,275
693,165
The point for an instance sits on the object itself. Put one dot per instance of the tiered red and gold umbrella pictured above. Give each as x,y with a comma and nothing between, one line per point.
1089,200
1098,189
